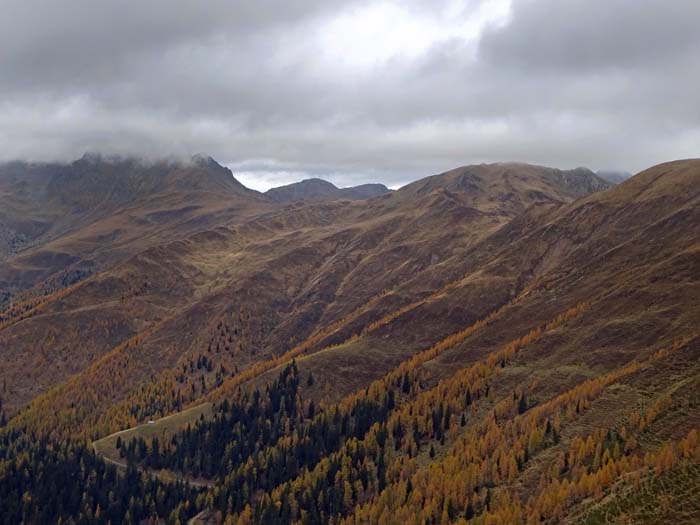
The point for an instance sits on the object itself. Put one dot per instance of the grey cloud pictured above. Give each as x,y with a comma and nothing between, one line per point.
604,84
81,43
585,34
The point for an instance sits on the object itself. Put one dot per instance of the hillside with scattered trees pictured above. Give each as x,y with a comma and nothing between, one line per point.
495,345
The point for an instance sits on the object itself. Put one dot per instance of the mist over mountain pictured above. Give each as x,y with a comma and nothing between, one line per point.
350,263
616,177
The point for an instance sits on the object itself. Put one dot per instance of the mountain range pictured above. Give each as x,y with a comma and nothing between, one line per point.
499,343
316,189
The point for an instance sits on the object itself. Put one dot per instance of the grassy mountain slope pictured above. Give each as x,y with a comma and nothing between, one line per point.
497,344
272,279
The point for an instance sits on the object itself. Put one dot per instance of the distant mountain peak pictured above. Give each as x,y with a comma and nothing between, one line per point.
614,176
320,189
204,160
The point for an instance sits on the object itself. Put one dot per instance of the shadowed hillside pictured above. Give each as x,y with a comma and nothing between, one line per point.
275,277
61,222
499,343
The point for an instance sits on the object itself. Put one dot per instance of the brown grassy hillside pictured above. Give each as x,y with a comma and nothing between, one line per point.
555,317
272,278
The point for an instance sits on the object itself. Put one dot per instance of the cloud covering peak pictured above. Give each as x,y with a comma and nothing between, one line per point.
352,90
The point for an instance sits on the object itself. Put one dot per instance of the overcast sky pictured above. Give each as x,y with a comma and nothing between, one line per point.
352,91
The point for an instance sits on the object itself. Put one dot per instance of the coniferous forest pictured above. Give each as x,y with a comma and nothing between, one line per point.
404,448
49,482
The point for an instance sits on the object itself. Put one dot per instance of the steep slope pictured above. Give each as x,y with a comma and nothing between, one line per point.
581,379
319,189
502,346
633,246
270,281
631,256
62,222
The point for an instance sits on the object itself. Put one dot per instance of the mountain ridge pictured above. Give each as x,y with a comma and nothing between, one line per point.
316,189
400,228
524,308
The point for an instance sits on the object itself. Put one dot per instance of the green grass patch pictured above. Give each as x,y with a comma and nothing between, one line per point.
162,428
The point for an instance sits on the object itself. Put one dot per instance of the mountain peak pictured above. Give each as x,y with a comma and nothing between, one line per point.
320,189
205,161
614,176
514,185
